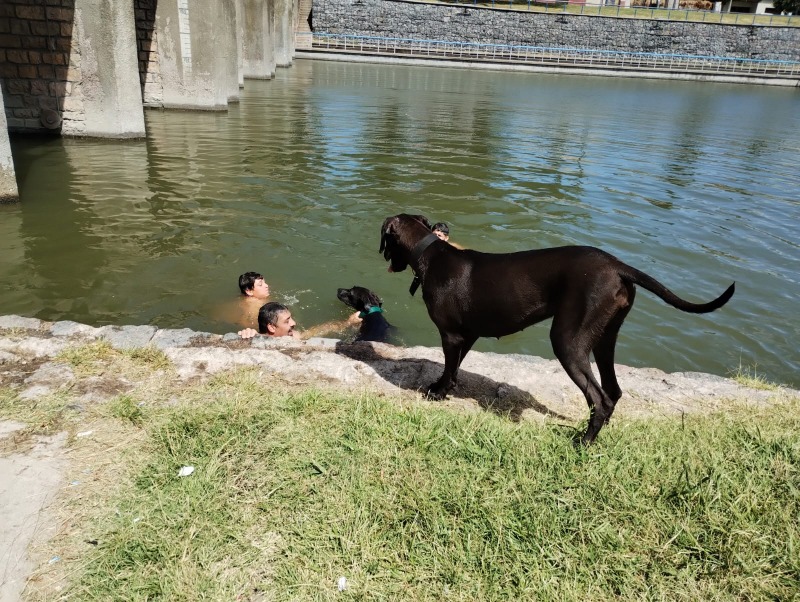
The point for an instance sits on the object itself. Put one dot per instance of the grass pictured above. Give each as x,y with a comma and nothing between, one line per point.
88,360
412,502
748,376
46,415
99,357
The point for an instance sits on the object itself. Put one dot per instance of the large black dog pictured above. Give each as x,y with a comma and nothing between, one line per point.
374,326
470,294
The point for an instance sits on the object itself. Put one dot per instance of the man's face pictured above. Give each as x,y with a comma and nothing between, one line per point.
441,235
284,326
260,289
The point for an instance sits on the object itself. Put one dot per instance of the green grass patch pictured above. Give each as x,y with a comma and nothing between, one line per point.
151,356
748,376
126,408
292,491
100,358
88,360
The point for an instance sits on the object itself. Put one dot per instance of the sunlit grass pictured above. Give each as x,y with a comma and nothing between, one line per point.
100,356
292,491
748,376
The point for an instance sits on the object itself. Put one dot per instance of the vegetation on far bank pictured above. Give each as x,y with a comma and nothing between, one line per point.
294,489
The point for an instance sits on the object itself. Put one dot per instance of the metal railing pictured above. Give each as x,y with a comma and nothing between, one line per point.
549,56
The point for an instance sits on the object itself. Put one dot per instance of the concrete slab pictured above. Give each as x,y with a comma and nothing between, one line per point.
28,484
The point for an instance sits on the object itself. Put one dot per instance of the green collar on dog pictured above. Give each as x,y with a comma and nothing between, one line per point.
374,309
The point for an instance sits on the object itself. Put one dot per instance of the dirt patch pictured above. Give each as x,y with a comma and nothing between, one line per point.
102,388
14,373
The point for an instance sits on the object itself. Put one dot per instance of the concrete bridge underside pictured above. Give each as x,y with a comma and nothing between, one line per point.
89,67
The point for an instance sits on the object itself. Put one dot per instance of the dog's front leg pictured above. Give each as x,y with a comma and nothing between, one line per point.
452,345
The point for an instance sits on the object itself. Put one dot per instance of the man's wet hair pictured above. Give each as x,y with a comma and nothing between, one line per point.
441,227
268,314
248,280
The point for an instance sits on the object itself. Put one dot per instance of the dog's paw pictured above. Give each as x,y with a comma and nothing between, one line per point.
435,393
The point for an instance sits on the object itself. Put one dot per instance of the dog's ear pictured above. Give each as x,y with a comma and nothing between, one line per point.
388,228
423,220
374,300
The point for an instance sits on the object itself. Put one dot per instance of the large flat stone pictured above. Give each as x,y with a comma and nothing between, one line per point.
128,337
68,328
180,337
9,322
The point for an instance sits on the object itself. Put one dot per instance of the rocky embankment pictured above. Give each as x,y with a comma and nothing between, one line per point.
520,387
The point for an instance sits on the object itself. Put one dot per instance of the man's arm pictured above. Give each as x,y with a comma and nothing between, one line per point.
328,327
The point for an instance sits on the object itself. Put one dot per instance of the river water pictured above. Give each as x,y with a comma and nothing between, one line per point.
695,183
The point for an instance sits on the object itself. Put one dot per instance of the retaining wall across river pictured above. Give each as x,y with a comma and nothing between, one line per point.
484,25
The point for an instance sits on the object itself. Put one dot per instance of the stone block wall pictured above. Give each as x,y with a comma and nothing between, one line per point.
408,19
147,47
35,46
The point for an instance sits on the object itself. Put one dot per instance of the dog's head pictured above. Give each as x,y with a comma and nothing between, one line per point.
399,234
359,298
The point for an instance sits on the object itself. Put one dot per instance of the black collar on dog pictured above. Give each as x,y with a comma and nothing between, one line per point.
420,247
416,253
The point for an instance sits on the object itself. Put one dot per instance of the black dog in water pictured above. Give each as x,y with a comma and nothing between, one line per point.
374,326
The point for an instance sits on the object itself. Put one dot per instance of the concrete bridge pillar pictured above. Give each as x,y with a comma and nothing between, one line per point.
196,52
230,48
259,39
284,32
102,89
8,181
239,7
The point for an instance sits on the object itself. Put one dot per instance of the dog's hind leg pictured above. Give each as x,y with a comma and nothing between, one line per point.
604,350
572,351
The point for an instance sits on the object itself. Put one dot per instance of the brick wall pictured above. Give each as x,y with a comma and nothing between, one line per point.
35,47
147,42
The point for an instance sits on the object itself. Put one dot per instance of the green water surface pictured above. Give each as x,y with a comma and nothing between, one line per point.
695,183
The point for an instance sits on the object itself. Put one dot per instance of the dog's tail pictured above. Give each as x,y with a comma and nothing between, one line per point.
635,276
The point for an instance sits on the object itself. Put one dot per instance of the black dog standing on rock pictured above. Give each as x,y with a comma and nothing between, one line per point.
374,326
469,294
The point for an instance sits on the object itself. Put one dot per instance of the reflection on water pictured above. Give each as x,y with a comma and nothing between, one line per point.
693,183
